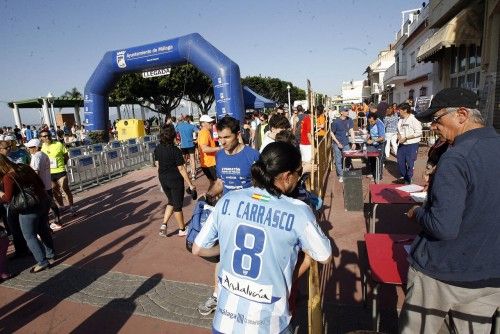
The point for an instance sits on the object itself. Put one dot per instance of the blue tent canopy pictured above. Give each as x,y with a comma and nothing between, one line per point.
252,100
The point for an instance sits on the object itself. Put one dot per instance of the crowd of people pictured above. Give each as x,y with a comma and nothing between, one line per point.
262,228
258,235
33,182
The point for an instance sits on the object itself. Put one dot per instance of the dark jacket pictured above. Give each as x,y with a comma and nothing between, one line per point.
460,241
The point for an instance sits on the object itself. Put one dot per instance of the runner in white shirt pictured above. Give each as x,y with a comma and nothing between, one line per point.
40,163
260,231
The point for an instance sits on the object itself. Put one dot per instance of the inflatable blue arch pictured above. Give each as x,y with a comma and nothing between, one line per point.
224,73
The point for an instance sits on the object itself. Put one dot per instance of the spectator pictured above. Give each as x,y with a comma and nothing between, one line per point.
277,123
276,173
377,141
11,218
391,131
172,174
382,108
15,154
320,122
454,275
33,221
341,129
306,141
409,133
40,163
262,128
28,133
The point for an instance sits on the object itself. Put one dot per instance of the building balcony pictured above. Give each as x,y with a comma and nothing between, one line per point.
377,88
395,73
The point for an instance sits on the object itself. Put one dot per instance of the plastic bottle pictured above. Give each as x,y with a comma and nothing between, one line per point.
364,149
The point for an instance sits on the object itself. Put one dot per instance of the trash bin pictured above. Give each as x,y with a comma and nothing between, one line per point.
353,190
130,128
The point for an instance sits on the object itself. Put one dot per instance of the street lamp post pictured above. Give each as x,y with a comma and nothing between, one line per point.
50,99
289,106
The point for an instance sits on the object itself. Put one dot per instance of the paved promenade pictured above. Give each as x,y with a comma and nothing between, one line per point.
115,274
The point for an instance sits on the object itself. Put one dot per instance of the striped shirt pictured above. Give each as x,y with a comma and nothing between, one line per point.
260,236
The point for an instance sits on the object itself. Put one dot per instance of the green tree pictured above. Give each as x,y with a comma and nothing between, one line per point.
274,89
158,94
199,88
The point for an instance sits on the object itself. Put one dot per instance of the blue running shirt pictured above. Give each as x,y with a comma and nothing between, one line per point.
235,170
186,131
259,236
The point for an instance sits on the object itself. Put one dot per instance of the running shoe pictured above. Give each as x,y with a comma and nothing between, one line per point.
54,227
182,233
163,230
209,306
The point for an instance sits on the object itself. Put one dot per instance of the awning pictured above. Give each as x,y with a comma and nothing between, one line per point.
253,100
465,28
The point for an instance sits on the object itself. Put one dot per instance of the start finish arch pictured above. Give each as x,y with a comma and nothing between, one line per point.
224,73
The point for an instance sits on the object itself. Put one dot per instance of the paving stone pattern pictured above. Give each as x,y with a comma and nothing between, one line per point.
147,296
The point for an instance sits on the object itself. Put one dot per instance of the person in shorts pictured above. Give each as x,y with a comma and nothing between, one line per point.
58,156
207,149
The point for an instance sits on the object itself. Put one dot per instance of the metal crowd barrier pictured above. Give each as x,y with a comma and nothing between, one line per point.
93,164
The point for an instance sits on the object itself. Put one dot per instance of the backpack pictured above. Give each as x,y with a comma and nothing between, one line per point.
200,214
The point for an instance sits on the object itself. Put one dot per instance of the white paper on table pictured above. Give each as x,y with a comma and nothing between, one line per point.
407,248
351,151
410,188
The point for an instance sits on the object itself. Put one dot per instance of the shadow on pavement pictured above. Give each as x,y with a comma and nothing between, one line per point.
101,322
99,216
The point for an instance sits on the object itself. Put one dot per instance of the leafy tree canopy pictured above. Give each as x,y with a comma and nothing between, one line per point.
274,88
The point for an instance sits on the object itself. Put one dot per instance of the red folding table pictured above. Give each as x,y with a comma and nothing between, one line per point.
388,264
367,154
386,194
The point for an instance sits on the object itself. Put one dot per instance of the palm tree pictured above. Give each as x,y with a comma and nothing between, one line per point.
74,93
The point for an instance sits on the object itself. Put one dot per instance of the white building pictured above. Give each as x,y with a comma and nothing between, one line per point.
355,91
376,72
407,78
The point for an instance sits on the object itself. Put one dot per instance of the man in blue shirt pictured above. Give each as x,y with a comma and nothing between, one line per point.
342,129
187,132
454,275
377,142
233,167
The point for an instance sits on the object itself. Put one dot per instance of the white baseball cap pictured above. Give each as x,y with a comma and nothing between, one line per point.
206,118
33,143
9,138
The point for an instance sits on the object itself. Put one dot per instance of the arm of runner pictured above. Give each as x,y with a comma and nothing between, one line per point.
208,149
205,240
182,170
216,189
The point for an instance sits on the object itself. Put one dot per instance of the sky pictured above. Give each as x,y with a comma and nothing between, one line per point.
55,45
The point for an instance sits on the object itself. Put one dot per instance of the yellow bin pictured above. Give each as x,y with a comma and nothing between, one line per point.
130,128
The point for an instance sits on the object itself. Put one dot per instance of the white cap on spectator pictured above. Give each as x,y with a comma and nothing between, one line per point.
206,118
33,143
9,138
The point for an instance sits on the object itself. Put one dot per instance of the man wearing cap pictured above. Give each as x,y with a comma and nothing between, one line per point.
40,163
207,149
15,154
454,274
342,128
